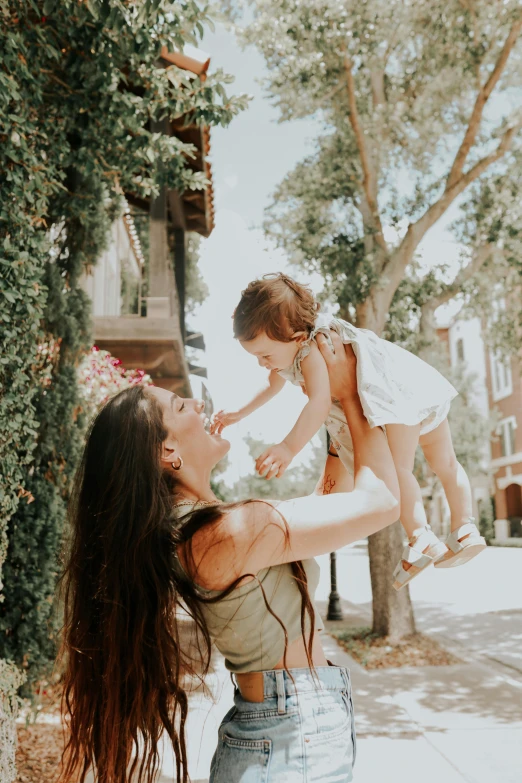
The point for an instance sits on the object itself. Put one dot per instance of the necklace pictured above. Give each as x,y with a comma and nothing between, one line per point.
196,502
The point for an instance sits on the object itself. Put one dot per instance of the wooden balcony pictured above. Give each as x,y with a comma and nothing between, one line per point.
154,345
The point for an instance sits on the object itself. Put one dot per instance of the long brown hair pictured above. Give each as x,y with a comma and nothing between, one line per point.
126,666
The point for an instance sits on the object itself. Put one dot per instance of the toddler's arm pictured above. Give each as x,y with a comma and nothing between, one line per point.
275,460
224,419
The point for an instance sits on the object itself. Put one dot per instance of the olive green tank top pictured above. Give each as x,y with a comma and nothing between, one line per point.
241,626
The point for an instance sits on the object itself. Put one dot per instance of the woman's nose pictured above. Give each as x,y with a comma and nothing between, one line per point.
200,406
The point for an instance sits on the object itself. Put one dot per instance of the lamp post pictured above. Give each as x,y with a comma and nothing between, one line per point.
334,599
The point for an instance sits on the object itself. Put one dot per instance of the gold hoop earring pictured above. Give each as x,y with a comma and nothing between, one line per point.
179,466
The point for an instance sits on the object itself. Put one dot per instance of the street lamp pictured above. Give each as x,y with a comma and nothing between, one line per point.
334,599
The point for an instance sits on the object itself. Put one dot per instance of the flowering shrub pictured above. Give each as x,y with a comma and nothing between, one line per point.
101,376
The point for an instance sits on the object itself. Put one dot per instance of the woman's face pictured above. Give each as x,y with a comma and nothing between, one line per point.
184,419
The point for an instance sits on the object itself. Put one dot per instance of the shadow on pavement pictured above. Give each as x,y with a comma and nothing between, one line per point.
412,700
495,635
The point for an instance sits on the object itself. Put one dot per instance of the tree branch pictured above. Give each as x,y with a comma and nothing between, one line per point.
377,83
359,136
427,323
481,100
483,253
369,182
330,94
416,231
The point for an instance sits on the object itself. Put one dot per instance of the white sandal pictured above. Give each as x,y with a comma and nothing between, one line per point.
413,553
460,551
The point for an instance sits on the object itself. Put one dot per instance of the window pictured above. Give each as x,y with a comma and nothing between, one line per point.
501,379
506,431
460,350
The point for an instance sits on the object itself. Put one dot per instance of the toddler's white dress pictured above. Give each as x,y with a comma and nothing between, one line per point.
395,386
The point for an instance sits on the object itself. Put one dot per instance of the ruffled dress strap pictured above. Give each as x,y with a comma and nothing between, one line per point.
323,325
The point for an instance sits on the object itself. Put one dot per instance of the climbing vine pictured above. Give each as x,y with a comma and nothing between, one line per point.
80,84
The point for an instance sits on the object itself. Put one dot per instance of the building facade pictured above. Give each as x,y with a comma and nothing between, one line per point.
504,385
496,392
463,342
139,302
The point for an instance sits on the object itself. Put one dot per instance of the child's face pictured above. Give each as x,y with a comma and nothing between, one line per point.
273,354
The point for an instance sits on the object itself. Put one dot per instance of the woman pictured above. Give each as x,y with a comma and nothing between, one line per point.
150,541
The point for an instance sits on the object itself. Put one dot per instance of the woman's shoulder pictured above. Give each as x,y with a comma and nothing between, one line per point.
221,549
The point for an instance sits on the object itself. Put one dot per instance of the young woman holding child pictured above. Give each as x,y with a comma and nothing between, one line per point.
152,544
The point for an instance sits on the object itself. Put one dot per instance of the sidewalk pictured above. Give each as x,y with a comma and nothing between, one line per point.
452,724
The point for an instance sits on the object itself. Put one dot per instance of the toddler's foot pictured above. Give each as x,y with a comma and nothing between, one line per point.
463,544
423,549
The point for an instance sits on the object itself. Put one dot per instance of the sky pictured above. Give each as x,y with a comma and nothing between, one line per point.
249,159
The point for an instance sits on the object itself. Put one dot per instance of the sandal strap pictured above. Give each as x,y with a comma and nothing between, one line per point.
467,529
415,557
400,574
423,538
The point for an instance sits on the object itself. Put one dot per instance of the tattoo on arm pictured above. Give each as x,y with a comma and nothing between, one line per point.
328,484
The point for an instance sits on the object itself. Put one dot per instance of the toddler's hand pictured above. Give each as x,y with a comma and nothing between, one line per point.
274,461
223,419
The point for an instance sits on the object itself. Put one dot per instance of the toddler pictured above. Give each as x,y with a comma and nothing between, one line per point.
277,321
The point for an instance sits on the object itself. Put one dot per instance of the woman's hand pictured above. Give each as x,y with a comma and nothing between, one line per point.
341,364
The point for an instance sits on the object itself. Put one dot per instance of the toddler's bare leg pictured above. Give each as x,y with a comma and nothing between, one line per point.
403,441
437,446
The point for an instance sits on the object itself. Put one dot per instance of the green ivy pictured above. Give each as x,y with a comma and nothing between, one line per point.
80,85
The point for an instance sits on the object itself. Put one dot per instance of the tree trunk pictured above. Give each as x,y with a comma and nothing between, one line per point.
427,327
392,609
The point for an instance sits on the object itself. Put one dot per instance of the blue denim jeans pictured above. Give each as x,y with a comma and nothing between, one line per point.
303,731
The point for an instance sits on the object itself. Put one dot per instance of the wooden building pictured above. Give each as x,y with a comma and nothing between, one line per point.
151,335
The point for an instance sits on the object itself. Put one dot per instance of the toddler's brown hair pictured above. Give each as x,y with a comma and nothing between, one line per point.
277,305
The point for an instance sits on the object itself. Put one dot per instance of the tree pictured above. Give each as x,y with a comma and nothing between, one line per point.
81,87
297,481
406,92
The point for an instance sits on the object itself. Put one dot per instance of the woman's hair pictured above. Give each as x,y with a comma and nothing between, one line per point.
276,305
127,601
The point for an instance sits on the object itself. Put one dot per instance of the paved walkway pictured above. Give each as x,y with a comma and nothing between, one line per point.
452,724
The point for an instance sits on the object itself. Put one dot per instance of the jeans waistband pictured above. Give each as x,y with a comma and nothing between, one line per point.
329,678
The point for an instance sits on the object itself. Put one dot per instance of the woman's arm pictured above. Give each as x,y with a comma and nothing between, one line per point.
223,418
275,459
254,536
